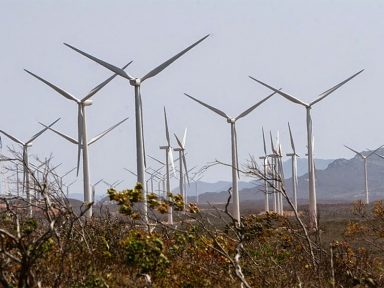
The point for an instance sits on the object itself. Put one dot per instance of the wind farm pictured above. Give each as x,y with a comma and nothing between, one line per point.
245,187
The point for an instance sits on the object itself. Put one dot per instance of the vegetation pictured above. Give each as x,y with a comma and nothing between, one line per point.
59,247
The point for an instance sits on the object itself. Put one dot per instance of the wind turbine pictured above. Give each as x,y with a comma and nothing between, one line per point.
82,127
311,168
87,187
81,103
69,185
26,145
281,174
182,162
111,185
168,157
293,156
146,182
196,180
275,174
365,161
235,166
136,83
265,164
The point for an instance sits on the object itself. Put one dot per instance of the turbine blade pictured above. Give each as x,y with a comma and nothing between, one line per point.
184,137
291,137
166,128
80,141
185,166
272,145
161,67
111,67
70,139
170,157
12,138
54,87
381,156
334,88
285,95
133,173
101,135
101,85
142,127
236,154
280,162
25,168
178,141
265,146
221,113
249,110
374,151
42,131
157,160
358,153
108,184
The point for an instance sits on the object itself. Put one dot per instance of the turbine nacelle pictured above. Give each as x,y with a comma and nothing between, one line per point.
231,120
87,102
135,82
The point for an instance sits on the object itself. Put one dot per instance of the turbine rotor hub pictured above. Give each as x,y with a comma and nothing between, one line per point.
135,82
231,120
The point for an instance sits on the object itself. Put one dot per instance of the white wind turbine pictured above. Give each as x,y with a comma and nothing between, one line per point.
265,171
235,166
168,158
136,83
183,163
87,188
311,168
282,177
112,185
365,161
26,171
275,173
293,156
82,128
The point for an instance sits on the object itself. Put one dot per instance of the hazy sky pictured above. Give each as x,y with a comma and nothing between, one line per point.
305,47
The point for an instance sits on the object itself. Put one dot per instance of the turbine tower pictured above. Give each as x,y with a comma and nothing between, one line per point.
311,168
87,189
235,166
275,168
25,146
168,158
82,129
136,83
281,174
293,156
265,167
183,163
365,161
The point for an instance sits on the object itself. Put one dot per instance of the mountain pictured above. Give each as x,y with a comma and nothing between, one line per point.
340,180
302,166
343,179
336,180
204,187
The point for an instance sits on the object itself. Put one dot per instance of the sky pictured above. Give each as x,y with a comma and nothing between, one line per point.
302,46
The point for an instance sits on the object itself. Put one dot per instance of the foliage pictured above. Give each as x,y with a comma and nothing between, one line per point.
206,248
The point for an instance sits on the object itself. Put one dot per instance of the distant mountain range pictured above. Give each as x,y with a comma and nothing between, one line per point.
336,180
302,166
